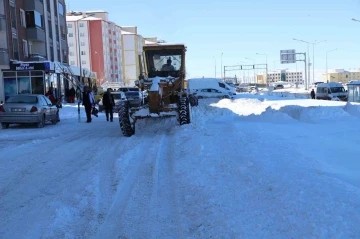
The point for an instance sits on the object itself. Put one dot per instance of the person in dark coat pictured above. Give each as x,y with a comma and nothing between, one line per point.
312,93
72,94
108,102
88,102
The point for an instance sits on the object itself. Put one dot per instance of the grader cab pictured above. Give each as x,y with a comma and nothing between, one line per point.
162,83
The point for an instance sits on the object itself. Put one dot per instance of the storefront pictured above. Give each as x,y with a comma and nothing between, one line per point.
38,77
353,91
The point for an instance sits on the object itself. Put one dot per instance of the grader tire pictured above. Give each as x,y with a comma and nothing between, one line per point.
184,111
126,125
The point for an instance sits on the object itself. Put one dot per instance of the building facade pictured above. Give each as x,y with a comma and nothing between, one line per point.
281,75
341,75
113,51
95,43
33,46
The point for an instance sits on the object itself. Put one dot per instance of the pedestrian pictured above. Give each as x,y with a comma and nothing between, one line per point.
88,102
72,94
312,93
108,102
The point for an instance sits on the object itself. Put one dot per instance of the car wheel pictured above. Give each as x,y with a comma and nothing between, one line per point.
41,124
5,125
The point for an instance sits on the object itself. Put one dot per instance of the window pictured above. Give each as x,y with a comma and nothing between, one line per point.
50,30
25,48
57,32
69,25
34,19
72,63
83,62
82,43
15,48
83,53
81,24
13,17
51,53
61,9
82,34
71,44
22,18
71,53
48,5
55,8
71,35
63,32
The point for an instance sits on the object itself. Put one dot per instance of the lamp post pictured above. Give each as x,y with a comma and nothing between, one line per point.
308,56
313,63
266,76
253,64
98,66
215,65
78,35
221,66
327,78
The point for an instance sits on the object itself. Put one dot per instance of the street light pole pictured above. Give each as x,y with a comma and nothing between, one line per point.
253,65
215,65
221,66
266,72
327,77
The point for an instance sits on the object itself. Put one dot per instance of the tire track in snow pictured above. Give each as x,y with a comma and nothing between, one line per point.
146,189
164,221
113,220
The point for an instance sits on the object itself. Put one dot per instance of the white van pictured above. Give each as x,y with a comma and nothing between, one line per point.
197,84
331,91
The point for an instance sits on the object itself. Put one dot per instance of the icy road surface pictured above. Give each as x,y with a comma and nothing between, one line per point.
254,167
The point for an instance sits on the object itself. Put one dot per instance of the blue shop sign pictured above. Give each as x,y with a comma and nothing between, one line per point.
24,66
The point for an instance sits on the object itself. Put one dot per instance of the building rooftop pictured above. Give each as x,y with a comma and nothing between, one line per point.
75,18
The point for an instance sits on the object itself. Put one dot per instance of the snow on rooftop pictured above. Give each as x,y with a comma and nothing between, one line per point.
75,18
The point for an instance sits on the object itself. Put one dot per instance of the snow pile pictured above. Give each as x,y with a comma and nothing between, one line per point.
353,109
226,175
316,114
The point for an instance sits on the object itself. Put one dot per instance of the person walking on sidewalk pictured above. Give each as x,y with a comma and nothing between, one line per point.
88,102
108,102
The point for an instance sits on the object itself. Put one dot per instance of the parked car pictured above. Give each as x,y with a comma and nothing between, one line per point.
135,98
278,87
213,93
28,109
118,96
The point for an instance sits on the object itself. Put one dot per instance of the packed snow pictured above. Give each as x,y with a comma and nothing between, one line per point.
257,166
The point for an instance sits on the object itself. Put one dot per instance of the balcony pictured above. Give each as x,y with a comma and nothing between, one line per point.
31,5
36,34
4,57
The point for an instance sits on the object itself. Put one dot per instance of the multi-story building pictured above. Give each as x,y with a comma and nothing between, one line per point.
33,42
341,75
113,51
282,75
95,43
36,30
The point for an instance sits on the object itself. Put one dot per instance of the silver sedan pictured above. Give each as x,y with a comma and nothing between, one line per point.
27,109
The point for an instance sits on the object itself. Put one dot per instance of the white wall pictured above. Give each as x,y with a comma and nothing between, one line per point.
129,51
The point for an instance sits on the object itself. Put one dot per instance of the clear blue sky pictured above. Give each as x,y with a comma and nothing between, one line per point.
242,28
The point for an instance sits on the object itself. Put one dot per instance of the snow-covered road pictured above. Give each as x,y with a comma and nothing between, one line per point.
240,170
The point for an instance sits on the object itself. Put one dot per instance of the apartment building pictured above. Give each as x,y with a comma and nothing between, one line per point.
341,75
95,43
33,44
113,51
36,30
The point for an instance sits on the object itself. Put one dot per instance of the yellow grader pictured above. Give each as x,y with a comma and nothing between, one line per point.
162,83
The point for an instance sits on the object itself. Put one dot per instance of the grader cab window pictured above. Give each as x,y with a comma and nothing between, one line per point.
164,63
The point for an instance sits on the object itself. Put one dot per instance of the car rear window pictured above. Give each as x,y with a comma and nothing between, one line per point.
23,99
117,96
132,93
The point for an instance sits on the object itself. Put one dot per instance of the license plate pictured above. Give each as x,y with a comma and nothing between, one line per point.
17,109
